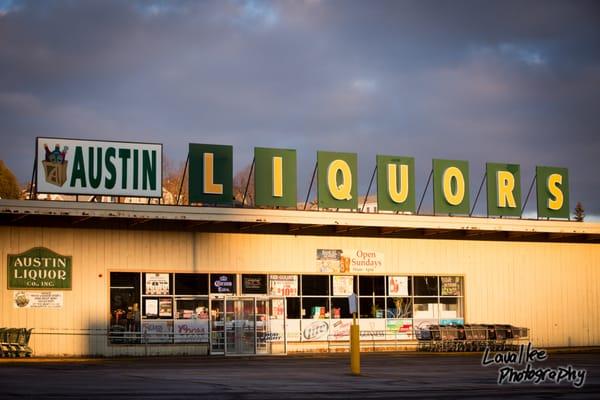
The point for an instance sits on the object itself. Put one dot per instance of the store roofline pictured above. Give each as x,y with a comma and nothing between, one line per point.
255,220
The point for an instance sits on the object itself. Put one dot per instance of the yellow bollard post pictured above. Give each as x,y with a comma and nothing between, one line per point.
354,347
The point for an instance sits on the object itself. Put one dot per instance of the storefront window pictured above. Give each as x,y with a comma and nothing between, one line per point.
192,308
371,285
371,307
148,307
426,285
315,307
254,284
340,308
399,307
451,308
191,284
157,307
426,308
293,307
191,316
124,306
315,285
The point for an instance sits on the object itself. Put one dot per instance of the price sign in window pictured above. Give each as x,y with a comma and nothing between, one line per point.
283,285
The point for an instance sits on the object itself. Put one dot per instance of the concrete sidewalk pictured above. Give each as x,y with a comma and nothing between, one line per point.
384,376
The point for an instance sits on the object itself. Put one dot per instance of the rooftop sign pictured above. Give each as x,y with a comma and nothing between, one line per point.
337,182
67,166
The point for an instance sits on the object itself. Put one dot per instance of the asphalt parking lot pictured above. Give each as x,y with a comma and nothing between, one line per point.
384,376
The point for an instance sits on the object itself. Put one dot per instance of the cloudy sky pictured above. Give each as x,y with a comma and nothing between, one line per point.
481,81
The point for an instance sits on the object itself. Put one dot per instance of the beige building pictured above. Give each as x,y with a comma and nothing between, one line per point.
129,279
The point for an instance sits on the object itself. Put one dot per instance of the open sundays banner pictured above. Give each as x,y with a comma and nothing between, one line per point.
349,261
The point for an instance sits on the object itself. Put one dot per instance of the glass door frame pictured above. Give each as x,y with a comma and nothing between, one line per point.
275,340
217,347
218,306
240,339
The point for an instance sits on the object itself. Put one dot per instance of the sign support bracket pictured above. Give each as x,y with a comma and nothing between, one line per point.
187,160
311,184
369,189
33,177
425,191
528,193
248,182
478,193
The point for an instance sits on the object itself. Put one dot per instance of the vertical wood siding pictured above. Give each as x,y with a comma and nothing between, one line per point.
552,288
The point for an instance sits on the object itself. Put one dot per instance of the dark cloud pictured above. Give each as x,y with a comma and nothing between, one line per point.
514,81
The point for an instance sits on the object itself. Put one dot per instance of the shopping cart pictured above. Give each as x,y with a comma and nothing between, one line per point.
449,338
503,337
428,337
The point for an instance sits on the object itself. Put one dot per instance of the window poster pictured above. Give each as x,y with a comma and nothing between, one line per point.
277,309
398,285
222,283
328,260
340,329
254,284
372,328
283,285
158,331
450,285
165,307
357,261
343,285
314,330
401,328
157,284
151,308
191,331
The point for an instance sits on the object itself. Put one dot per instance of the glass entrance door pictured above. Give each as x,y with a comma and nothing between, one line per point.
217,326
270,326
247,325
240,327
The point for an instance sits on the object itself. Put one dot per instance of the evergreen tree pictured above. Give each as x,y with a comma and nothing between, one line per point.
579,212
9,188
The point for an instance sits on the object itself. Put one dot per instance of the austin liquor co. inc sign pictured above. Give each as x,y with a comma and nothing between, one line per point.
39,268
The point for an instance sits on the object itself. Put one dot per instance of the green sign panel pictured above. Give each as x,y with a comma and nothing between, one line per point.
450,187
275,177
70,166
211,174
337,180
503,189
396,183
552,192
39,268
